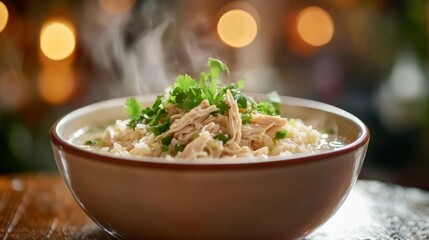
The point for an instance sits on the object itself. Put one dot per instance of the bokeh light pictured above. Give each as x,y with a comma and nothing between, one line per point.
237,28
57,40
56,85
15,91
315,26
117,7
244,6
4,16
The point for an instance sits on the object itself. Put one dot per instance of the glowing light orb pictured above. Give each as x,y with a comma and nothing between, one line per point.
315,26
56,85
237,28
4,16
57,40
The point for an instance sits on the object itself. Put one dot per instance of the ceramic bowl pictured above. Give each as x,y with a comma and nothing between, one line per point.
151,198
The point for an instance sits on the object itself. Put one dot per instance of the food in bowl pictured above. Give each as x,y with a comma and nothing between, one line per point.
284,196
206,119
281,197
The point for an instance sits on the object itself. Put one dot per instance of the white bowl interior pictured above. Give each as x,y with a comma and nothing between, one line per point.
321,116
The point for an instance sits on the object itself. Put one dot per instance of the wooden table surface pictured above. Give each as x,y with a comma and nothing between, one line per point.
39,206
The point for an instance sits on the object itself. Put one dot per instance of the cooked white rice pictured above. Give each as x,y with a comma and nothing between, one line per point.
196,131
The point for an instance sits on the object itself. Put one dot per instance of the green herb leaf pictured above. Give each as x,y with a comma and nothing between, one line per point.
160,128
224,137
267,108
184,82
133,107
280,134
246,117
179,147
223,107
240,84
275,100
241,101
208,85
216,68
166,140
95,142
164,148
149,115
186,94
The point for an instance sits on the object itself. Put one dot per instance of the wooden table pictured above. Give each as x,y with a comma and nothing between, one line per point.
39,206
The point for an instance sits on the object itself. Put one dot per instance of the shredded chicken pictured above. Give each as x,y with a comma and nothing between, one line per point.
196,146
261,151
194,116
250,132
261,119
234,120
197,132
207,119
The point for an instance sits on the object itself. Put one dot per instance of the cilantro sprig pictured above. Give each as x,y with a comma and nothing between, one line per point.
272,106
224,137
280,134
156,116
188,92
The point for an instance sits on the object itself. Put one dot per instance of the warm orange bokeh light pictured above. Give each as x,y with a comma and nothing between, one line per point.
315,26
237,28
117,7
4,16
56,85
57,40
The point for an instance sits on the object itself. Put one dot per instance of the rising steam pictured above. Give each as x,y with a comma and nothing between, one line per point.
142,52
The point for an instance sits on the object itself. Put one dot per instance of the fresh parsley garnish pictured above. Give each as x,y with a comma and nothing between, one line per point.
179,147
275,100
133,108
166,140
246,117
281,134
165,143
266,108
156,116
161,128
224,137
270,107
164,148
217,67
187,93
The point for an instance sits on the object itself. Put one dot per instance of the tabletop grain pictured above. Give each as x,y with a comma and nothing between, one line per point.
39,206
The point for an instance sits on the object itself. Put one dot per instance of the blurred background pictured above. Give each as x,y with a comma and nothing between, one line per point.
369,57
